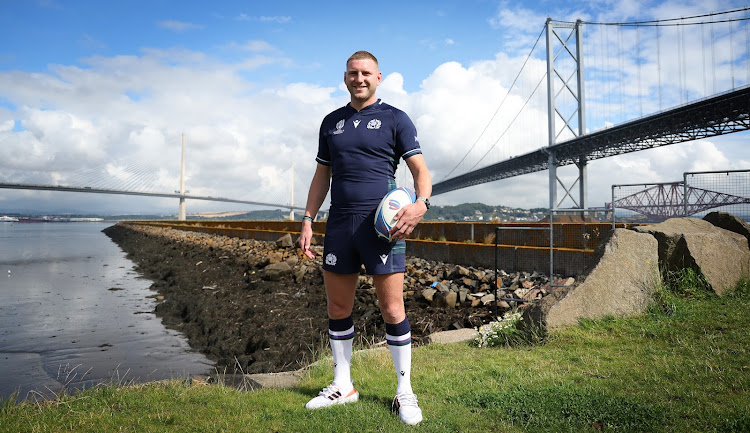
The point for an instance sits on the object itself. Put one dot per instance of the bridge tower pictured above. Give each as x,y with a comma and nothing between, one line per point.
182,216
565,68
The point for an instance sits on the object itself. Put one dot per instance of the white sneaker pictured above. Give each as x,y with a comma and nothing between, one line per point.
331,395
407,407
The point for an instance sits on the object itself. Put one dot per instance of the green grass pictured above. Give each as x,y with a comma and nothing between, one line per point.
684,366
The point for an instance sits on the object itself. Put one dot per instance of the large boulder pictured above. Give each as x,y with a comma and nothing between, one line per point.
721,257
730,222
620,283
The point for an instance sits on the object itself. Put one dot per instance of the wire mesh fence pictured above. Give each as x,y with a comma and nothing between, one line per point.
725,191
575,233
698,194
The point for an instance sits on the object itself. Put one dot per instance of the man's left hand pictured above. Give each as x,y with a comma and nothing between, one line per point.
408,218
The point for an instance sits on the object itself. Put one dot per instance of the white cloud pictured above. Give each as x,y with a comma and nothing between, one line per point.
243,134
178,26
254,45
278,19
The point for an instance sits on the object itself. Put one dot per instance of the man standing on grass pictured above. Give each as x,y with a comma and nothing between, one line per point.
359,147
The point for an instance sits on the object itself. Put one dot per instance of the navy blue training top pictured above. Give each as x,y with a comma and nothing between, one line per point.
363,149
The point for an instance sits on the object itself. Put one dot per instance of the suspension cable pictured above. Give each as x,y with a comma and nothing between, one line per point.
501,105
511,122
665,20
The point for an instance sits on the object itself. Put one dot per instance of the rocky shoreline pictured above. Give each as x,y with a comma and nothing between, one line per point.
260,307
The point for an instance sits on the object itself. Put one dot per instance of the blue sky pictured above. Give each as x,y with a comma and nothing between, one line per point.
110,87
306,39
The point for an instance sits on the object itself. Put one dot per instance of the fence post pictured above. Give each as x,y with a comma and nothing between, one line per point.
685,194
551,247
613,207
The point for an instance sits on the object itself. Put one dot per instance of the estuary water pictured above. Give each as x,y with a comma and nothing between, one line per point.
74,313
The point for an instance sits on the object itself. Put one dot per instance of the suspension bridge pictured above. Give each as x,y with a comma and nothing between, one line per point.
706,87
645,84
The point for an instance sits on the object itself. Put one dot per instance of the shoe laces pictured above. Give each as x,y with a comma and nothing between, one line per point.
404,400
329,390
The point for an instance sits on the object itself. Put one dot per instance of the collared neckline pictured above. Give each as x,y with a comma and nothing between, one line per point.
378,102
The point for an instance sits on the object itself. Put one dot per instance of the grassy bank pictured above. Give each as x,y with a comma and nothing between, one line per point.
684,366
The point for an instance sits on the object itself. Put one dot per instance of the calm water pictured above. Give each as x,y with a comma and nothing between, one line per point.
73,313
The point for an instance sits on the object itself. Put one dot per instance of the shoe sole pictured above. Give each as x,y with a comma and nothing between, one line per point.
413,421
343,400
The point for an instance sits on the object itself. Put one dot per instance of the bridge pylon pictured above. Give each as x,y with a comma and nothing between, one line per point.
182,214
565,68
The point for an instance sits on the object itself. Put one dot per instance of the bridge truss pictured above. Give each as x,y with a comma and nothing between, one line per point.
675,199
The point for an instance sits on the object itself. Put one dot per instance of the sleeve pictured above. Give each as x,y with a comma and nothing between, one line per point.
407,144
324,154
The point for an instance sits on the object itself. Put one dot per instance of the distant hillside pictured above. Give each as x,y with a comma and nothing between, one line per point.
256,215
461,212
483,212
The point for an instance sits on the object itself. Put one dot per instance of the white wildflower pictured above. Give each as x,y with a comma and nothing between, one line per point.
493,333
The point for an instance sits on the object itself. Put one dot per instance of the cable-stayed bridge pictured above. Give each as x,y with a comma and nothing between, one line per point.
176,194
622,88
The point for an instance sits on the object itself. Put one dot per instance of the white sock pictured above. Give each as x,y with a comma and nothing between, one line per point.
341,346
400,348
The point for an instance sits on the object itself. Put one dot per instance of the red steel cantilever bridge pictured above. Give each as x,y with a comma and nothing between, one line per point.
674,199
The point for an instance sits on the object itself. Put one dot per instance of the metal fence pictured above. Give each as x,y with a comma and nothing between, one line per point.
566,241
698,194
725,191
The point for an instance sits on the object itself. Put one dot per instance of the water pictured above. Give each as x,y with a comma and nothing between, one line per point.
74,313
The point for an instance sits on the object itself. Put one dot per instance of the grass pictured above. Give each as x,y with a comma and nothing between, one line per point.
684,366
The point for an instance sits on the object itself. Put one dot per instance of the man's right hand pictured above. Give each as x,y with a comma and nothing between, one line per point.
305,237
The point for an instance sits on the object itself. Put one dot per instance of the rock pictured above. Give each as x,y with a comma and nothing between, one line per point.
451,298
292,261
463,271
503,305
620,284
462,295
720,256
443,286
487,299
429,294
300,275
285,241
275,271
275,257
457,336
729,222
364,281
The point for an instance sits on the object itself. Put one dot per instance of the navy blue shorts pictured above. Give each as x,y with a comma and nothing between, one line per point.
351,242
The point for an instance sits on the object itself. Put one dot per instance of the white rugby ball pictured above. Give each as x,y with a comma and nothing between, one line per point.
388,208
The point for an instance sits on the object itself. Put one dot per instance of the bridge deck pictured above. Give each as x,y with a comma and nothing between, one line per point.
718,115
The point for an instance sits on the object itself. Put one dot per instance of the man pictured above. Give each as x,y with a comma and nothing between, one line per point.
359,147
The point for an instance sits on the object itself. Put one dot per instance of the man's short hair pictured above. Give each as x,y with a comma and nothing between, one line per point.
361,55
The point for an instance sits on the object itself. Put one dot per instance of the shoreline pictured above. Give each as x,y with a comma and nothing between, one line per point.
260,307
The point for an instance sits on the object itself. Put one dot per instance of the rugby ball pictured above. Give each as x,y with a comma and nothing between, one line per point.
388,208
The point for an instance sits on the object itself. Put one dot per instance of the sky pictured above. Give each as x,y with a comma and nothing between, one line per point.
92,92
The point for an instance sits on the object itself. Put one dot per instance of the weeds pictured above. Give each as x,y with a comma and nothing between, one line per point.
501,332
489,238
688,283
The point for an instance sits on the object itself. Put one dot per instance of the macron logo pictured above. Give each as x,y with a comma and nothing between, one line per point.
384,258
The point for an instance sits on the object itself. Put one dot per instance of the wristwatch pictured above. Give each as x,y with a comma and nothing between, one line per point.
425,200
